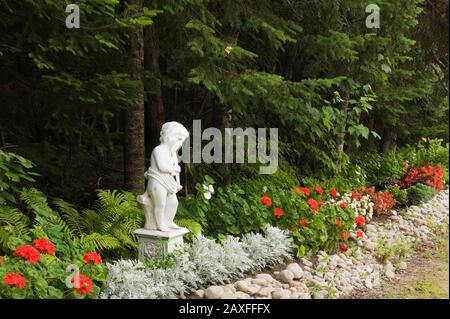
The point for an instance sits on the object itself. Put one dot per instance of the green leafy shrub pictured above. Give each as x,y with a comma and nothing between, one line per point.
428,151
382,170
400,195
420,193
230,211
14,173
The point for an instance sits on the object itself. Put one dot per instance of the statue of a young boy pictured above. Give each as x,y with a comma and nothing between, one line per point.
160,200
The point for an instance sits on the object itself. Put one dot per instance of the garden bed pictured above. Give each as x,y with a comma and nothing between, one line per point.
362,268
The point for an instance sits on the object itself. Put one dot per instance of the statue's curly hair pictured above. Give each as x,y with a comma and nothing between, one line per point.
173,128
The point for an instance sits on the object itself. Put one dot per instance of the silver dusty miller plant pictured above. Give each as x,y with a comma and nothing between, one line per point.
201,263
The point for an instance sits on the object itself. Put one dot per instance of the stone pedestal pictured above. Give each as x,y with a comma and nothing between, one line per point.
154,243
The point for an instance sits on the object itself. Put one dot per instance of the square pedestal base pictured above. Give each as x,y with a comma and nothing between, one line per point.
155,243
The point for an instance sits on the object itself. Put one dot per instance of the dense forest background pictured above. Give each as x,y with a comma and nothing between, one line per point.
86,105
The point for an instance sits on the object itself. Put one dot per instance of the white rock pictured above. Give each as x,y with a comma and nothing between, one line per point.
390,274
260,282
279,294
241,285
306,262
368,283
296,270
214,292
370,245
402,265
286,276
266,277
265,292
199,293
228,295
253,289
242,295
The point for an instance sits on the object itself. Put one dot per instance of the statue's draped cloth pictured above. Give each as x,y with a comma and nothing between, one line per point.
166,180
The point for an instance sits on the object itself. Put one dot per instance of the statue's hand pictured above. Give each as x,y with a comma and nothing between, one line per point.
177,169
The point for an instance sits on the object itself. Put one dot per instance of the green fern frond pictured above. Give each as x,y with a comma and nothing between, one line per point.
70,215
194,227
91,221
99,242
33,198
9,215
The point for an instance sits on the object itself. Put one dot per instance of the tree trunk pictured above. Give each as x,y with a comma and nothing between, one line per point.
340,139
155,112
134,131
389,142
222,120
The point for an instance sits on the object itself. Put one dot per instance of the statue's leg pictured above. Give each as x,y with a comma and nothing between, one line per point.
159,196
146,205
171,210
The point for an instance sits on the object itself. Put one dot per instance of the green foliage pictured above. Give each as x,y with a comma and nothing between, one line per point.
46,278
49,277
382,170
400,195
321,231
420,193
109,227
162,260
430,151
14,172
394,250
230,211
193,227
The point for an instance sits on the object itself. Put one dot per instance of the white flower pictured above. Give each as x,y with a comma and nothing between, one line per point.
211,189
207,195
264,189
205,187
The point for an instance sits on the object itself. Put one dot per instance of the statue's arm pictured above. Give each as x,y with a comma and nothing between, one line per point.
163,162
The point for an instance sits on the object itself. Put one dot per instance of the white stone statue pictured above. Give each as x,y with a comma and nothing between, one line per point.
160,200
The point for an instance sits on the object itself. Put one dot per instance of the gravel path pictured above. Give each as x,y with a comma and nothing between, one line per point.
376,262
417,281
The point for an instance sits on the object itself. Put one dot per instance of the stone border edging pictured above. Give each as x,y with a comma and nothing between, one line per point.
342,274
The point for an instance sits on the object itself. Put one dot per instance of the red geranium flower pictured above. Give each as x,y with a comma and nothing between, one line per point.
338,223
343,205
303,190
28,252
343,249
313,204
318,189
356,195
45,246
15,279
82,284
359,234
360,220
278,212
266,201
321,202
303,223
92,257
345,234
333,192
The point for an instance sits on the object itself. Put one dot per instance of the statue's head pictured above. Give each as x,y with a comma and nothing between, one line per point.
173,134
